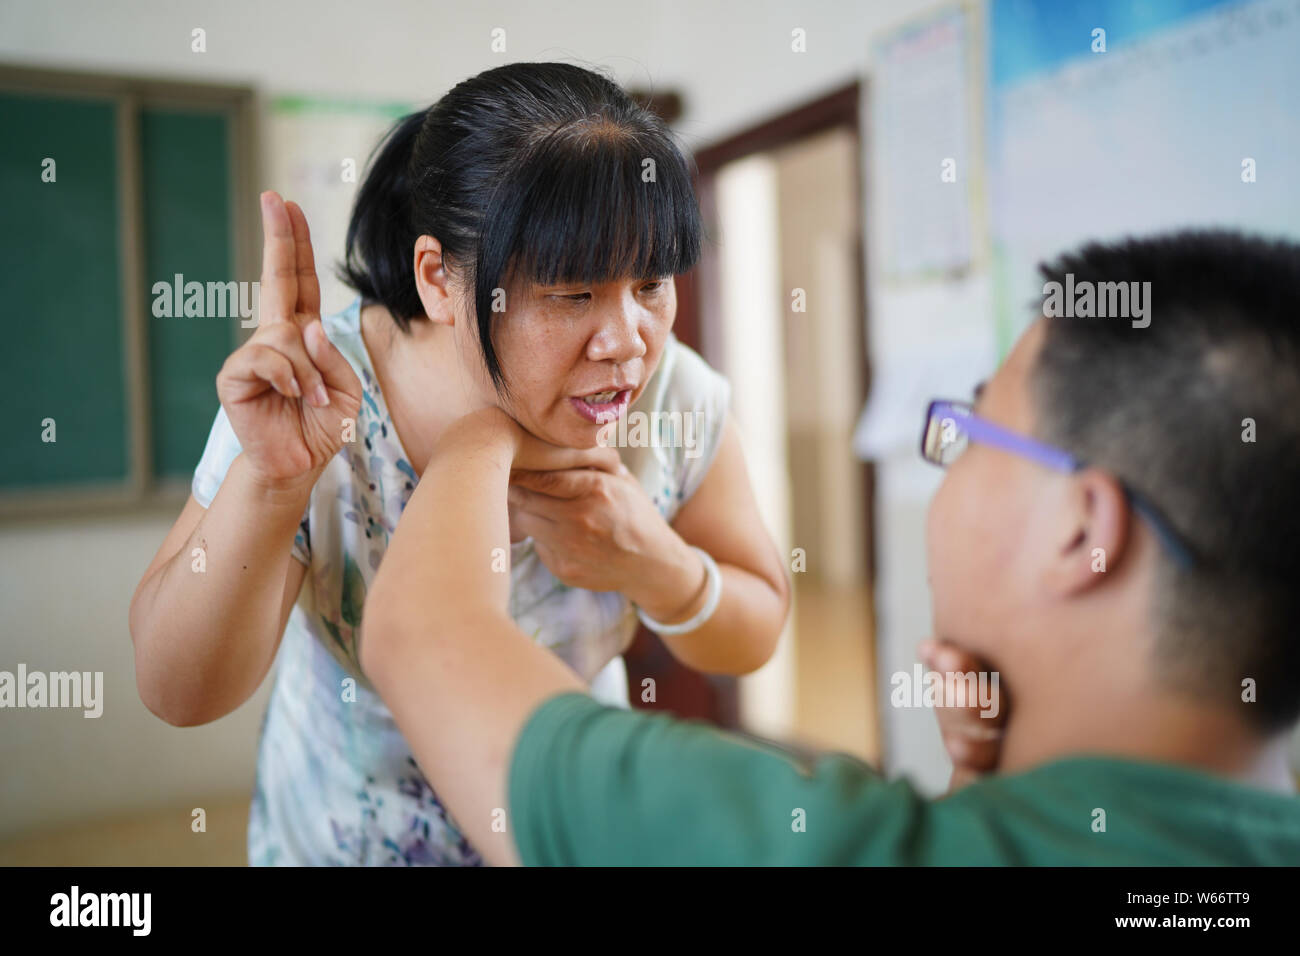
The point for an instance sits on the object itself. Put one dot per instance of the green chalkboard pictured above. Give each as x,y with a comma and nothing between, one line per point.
61,293
63,357
187,232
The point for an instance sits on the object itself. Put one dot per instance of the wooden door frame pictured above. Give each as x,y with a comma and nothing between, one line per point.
841,108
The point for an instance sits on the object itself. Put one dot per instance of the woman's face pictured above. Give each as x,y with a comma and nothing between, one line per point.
576,356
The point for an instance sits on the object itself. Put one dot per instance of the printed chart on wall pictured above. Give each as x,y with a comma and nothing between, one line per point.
930,330
318,150
1182,113
923,136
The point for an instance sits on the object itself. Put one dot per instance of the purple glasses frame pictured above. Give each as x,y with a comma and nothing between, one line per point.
985,432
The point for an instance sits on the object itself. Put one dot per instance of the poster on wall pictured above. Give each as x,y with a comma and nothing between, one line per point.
925,150
1127,119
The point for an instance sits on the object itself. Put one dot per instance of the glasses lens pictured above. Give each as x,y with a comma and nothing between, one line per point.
945,439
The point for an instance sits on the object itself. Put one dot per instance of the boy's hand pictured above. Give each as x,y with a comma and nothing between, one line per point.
528,452
540,461
536,455
288,391
973,742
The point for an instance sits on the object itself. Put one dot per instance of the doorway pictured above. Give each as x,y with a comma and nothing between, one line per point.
778,304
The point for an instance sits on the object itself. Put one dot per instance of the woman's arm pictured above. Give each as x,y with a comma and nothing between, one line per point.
437,642
722,518
204,640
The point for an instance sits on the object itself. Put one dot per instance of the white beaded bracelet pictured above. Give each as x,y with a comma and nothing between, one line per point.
706,612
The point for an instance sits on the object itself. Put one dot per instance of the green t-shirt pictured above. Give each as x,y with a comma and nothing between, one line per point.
596,785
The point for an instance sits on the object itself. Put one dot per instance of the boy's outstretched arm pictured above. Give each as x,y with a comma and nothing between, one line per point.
590,784
437,642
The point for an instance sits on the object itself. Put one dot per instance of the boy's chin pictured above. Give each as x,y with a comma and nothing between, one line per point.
952,625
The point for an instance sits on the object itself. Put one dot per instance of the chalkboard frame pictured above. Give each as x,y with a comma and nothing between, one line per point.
140,491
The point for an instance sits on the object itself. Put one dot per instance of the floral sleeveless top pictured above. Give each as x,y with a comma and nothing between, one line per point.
336,782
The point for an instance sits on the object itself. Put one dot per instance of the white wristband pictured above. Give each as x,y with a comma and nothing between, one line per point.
706,612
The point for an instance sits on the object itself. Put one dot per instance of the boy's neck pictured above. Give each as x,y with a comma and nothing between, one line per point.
1156,726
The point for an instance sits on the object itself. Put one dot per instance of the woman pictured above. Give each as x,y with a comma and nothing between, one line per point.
513,247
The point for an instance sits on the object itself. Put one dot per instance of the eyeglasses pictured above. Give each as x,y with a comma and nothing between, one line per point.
949,425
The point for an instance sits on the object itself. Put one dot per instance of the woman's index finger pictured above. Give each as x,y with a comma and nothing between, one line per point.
308,300
279,293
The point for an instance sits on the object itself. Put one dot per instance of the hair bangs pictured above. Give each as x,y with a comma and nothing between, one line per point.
591,205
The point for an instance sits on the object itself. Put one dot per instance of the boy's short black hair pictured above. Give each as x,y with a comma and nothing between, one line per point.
1200,412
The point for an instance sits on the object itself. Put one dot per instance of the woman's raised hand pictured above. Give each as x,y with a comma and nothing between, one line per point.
288,392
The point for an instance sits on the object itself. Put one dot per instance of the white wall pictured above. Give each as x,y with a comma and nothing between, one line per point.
66,586
731,58
906,323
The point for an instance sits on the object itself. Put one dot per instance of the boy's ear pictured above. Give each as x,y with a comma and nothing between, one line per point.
1093,534
431,282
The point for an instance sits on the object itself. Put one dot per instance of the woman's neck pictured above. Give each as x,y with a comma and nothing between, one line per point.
420,377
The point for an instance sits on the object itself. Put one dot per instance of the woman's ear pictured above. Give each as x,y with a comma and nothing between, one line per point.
1094,533
431,281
